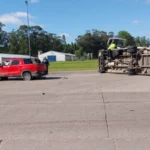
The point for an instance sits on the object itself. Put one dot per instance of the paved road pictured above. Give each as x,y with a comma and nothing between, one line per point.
76,111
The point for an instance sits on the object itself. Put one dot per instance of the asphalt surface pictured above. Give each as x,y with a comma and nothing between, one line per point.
76,111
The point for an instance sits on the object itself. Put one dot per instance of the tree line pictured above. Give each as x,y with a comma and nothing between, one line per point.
16,41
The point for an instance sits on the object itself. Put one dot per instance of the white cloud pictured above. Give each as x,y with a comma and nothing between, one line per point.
21,15
66,35
135,21
10,19
35,1
15,18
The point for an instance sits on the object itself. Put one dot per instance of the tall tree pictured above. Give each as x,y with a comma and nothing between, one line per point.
4,39
40,40
70,48
22,34
3,36
142,41
64,39
1,26
14,44
126,35
92,41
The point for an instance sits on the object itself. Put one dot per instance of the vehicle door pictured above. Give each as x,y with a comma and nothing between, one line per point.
41,67
30,65
14,69
4,67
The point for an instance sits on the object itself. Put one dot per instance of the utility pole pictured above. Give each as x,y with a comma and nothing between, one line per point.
29,45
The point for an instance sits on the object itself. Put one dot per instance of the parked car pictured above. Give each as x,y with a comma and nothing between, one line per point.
22,67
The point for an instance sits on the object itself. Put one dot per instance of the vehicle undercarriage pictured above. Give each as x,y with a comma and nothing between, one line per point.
130,60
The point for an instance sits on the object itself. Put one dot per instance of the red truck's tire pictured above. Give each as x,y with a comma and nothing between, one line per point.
27,76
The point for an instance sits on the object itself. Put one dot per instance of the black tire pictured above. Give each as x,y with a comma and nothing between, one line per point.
27,76
4,78
132,50
101,71
131,71
101,65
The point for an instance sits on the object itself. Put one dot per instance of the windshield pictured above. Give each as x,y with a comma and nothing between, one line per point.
118,42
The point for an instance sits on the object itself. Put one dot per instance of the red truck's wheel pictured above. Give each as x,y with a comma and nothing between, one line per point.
27,76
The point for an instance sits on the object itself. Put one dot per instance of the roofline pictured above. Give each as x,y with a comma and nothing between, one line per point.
58,53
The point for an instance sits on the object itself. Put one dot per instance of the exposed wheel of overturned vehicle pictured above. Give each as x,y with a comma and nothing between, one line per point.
132,49
101,65
101,70
131,71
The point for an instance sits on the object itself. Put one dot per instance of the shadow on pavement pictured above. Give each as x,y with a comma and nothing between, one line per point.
125,74
36,79
49,78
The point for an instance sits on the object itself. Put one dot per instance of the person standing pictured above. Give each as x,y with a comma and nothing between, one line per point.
111,48
46,62
37,60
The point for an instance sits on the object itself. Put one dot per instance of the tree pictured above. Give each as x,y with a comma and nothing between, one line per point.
1,26
79,53
64,39
70,48
129,38
148,42
3,37
138,41
142,41
22,34
92,41
39,39
14,44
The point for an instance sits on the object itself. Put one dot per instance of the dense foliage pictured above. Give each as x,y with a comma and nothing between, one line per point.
16,42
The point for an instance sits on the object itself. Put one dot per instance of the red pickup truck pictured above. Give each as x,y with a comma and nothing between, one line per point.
22,67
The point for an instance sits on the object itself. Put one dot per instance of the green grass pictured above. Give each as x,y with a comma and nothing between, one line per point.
73,65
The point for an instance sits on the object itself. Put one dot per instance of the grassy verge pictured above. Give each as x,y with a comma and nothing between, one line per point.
73,65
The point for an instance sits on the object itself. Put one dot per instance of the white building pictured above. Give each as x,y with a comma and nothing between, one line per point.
57,56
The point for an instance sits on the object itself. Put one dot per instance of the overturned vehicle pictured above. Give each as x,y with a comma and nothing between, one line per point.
130,60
